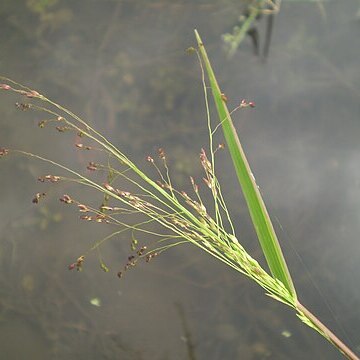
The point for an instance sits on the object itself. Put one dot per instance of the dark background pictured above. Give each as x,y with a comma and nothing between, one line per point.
122,66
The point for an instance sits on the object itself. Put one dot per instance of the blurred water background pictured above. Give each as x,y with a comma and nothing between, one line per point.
122,66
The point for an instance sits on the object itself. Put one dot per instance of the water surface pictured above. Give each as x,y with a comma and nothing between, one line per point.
122,66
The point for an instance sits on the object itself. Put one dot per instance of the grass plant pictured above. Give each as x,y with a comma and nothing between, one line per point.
255,9
184,218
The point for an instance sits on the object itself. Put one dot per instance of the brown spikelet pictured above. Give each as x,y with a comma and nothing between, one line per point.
3,151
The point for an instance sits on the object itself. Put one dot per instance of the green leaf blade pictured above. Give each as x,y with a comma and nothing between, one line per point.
259,215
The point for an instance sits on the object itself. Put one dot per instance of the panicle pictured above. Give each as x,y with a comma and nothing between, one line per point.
51,178
38,197
62,128
194,185
150,256
244,104
83,208
5,87
224,97
108,187
3,151
66,199
92,166
205,162
106,208
78,264
83,147
22,106
161,153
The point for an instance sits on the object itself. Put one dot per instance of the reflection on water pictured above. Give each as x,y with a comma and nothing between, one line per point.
121,65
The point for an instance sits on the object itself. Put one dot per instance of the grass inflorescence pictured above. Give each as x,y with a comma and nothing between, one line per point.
184,218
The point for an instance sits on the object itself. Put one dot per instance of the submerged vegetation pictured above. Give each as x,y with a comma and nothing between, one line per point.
185,218
245,26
